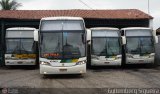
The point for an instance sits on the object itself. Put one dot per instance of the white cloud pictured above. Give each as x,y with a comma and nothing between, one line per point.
36,4
50,4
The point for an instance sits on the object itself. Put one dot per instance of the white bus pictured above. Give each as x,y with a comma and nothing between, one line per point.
62,42
20,47
140,45
105,46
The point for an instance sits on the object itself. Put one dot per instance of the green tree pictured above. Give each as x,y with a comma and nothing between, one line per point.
9,4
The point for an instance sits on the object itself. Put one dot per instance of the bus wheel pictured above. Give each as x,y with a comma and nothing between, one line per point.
9,67
43,76
89,66
155,64
80,75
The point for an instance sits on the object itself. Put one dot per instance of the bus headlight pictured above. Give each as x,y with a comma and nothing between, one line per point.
152,56
44,63
80,62
118,57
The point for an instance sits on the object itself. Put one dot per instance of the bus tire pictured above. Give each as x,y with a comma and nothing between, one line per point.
9,67
43,76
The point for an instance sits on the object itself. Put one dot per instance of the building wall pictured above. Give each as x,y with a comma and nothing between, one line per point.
119,23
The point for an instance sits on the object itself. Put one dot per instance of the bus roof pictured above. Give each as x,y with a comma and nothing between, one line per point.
104,28
62,18
21,28
132,28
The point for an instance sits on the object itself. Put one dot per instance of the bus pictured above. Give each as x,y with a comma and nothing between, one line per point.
105,46
62,42
140,45
20,48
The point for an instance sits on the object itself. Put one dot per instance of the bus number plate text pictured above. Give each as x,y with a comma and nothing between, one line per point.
62,70
19,62
141,61
106,62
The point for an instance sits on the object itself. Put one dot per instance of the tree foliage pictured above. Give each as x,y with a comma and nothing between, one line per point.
9,4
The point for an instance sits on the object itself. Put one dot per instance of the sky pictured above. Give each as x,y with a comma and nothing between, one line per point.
154,7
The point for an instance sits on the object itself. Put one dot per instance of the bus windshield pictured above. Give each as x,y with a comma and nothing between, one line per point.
51,45
19,46
62,45
140,45
105,46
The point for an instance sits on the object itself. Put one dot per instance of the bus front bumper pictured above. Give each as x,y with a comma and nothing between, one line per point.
20,62
77,69
95,62
139,61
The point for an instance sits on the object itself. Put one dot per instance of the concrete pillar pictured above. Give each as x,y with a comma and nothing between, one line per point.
2,44
151,23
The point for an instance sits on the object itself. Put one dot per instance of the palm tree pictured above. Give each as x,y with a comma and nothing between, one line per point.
9,5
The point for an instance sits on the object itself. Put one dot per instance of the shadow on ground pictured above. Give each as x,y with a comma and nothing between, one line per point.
134,67
20,67
63,76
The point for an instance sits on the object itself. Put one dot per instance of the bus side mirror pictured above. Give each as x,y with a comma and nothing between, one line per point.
88,41
88,36
36,35
156,39
123,40
154,33
83,38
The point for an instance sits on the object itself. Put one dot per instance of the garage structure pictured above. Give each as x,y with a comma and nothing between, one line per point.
93,18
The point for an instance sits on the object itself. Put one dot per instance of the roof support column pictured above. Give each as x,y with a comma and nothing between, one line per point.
2,39
151,23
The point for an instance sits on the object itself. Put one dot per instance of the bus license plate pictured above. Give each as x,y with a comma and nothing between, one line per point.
62,70
141,61
106,62
19,62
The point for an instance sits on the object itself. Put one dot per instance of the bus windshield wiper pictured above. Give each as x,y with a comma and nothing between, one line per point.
23,49
142,47
16,49
109,47
58,46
